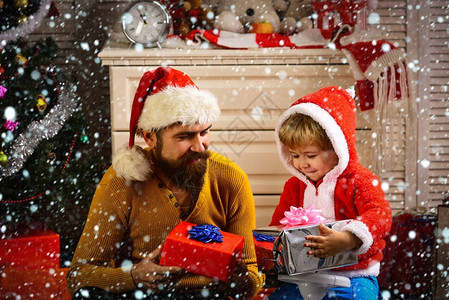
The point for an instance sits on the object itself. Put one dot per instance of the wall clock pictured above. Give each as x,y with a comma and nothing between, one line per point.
146,22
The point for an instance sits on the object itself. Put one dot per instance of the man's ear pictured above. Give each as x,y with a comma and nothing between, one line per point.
150,138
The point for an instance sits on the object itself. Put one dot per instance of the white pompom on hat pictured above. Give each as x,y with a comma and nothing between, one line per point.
165,96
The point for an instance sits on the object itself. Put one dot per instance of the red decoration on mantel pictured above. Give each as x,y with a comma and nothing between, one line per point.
380,70
333,14
53,11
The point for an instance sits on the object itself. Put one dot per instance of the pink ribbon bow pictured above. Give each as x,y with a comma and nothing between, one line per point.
298,216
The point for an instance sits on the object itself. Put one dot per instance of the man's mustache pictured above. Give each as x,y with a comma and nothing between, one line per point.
195,155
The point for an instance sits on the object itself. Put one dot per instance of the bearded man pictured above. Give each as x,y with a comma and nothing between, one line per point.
147,192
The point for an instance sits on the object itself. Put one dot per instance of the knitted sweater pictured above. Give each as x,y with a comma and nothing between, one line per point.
128,221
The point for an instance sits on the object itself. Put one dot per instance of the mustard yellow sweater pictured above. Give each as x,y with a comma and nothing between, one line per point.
128,221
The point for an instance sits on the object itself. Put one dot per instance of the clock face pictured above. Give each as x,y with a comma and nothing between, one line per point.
146,22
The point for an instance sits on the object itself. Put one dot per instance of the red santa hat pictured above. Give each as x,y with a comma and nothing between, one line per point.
165,96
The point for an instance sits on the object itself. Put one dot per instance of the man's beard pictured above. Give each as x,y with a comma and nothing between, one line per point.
182,172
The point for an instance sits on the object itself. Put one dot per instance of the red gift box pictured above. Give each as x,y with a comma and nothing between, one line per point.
264,254
19,283
31,247
217,260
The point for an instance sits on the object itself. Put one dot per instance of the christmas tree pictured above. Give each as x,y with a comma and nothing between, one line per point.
47,167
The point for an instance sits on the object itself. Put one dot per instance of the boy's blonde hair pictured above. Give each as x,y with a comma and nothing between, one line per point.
301,130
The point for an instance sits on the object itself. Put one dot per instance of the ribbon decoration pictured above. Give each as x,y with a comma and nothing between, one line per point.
206,233
3,91
299,216
263,238
10,125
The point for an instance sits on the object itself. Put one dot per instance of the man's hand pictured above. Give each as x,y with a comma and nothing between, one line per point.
331,242
149,275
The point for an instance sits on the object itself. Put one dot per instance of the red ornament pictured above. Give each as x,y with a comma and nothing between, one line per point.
332,14
176,11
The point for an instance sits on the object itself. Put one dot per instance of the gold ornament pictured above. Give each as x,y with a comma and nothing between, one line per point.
41,103
3,159
20,59
22,19
21,4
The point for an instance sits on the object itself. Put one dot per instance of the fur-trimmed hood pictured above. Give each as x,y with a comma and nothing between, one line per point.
335,110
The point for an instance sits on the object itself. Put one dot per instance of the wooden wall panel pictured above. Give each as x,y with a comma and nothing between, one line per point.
438,36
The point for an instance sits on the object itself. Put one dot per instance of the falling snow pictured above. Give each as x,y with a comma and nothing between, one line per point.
414,173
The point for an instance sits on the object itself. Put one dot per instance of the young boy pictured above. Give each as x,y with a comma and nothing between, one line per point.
316,143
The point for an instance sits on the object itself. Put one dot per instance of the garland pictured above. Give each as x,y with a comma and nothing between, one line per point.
37,131
34,21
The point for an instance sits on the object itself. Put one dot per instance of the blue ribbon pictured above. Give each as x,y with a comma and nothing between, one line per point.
206,233
263,238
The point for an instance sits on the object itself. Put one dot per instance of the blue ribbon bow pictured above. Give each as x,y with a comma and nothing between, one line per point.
206,233
263,238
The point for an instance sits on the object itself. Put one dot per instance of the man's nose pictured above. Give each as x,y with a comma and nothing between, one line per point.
198,144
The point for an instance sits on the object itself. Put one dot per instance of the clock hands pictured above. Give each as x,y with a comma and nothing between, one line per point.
143,16
139,28
146,22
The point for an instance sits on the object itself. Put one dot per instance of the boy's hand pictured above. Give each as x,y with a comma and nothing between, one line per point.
150,275
330,242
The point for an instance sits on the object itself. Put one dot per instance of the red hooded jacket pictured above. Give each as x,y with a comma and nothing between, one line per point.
349,190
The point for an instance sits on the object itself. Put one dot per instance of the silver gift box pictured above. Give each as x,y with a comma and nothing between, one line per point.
291,256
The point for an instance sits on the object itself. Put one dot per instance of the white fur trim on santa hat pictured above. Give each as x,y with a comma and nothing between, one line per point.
187,105
132,164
